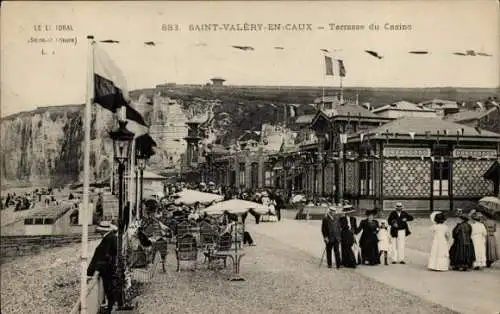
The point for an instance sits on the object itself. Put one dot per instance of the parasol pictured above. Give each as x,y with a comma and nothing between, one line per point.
236,206
298,198
491,205
189,197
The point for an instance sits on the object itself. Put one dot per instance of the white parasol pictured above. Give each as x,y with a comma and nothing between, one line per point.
491,205
236,206
298,198
189,197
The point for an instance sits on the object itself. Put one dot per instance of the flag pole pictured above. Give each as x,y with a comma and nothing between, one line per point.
323,87
86,173
341,91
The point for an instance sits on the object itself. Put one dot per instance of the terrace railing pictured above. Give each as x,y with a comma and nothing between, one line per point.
95,297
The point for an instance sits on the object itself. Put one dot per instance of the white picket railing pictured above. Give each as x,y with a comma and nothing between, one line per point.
95,296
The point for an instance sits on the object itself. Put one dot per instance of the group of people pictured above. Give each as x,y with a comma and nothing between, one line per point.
470,245
474,244
339,230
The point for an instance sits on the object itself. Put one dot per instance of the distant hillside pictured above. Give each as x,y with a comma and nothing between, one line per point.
305,94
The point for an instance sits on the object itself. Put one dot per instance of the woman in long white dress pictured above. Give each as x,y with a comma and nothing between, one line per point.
478,236
439,258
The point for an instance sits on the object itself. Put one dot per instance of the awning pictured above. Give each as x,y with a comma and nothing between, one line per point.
493,173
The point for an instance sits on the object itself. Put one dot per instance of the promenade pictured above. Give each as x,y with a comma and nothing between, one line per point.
474,292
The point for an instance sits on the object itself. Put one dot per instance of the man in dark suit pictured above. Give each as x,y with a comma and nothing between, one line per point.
280,204
332,235
398,220
104,261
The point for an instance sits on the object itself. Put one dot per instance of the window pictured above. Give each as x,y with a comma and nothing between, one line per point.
365,178
242,174
440,172
268,176
255,175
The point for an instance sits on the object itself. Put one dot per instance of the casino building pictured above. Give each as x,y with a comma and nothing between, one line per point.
427,163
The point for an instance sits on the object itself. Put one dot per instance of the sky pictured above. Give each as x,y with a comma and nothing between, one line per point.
30,78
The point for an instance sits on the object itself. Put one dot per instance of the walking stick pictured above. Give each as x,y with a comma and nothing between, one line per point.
322,257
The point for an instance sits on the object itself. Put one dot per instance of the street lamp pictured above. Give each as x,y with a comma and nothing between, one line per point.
287,165
140,159
122,146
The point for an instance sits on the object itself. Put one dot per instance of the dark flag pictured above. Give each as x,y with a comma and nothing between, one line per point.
342,71
245,48
110,90
374,54
328,66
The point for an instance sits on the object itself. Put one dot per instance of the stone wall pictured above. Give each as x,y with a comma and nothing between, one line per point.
13,246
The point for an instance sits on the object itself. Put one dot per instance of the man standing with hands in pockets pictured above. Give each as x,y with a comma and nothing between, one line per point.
332,235
398,220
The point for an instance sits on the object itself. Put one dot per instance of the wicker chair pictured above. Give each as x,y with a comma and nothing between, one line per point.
219,252
187,250
183,229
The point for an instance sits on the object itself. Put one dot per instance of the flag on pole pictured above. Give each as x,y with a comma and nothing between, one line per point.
342,71
328,66
110,87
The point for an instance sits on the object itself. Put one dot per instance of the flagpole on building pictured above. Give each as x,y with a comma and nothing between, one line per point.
341,91
323,87
86,174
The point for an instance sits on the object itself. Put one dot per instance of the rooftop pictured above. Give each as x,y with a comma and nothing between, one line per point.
444,104
426,127
402,106
305,119
352,110
469,115
53,212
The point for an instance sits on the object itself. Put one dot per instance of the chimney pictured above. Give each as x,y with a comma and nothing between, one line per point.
357,99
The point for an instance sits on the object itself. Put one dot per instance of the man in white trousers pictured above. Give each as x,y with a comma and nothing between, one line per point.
398,220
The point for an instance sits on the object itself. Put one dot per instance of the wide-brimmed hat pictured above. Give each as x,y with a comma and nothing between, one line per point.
348,208
475,215
371,212
105,226
440,217
460,214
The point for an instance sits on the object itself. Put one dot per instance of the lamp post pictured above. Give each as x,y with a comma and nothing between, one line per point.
122,146
342,142
140,159
286,168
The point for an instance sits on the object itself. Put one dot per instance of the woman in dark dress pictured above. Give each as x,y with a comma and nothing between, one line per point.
369,240
347,242
462,254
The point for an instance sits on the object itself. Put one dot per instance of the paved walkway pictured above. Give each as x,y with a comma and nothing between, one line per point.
475,292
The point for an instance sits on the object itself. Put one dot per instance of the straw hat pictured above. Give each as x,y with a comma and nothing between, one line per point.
106,226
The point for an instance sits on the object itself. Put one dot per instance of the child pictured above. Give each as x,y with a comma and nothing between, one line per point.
383,240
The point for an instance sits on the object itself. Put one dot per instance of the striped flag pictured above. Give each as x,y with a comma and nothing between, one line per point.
110,87
328,66
342,71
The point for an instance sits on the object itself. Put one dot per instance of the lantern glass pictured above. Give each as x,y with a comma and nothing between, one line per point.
141,162
122,142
